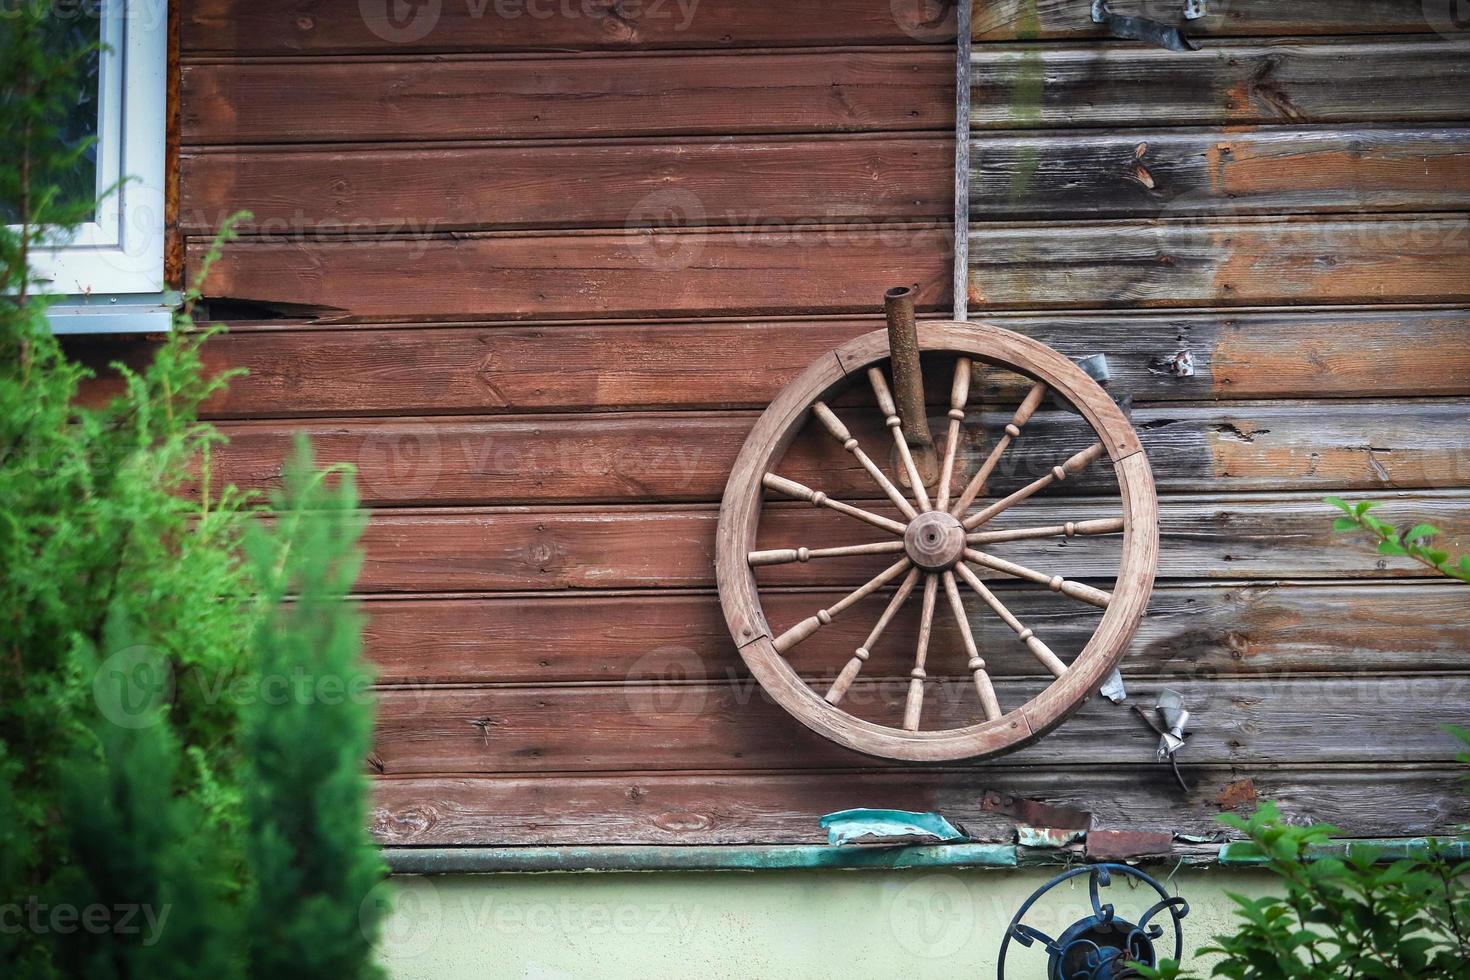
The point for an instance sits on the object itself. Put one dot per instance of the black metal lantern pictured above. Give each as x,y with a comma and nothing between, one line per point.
1103,945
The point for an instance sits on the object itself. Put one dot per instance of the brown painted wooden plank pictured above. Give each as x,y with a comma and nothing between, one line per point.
514,97
648,272
279,26
425,189
686,457
1226,630
782,808
1269,536
268,27
1205,262
1022,20
1227,83
734,726
1219,172
403,369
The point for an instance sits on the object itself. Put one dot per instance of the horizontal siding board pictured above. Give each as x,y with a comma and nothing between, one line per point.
746,181
1225,630
1012,20
408,370
238,27
734,726
1272,537
270,27
583,185
1209,262
1228,83
777,270
782,808
798,269
687,457
1163,173
716,94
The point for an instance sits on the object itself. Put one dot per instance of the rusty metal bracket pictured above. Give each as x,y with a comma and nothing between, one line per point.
908,381
1145,30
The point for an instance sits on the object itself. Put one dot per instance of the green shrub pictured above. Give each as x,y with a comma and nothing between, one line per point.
142,614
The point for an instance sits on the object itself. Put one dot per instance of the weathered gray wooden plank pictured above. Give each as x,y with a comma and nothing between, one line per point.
1026,20
678,726
782,808
1288,81
1190,630
1208,262
1175,173
1285,536
686,457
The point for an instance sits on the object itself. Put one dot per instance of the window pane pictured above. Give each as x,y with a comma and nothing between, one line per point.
70,29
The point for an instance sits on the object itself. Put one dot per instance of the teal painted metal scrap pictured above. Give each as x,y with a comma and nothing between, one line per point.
880,826
491,860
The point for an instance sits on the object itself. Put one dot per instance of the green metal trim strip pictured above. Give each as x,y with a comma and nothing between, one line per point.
1244,854
499,860
491,860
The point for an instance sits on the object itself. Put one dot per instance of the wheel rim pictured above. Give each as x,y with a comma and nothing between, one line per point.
922,562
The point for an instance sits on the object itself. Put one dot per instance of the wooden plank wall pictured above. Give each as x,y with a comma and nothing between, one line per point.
535,272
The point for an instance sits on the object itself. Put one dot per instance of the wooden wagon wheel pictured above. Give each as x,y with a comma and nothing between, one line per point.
936,544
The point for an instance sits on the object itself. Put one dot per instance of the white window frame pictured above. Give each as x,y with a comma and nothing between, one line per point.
108,275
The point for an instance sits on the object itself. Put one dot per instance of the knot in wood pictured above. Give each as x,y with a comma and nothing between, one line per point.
935,540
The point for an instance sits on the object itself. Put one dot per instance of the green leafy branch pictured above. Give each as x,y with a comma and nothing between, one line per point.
1416,543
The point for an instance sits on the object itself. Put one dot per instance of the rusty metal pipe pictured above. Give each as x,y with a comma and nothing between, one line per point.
908,377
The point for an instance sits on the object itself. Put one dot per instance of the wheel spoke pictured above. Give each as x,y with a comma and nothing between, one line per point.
1071,467
914,706
1076,590
1040,650
1071,529
808,626
843,435
959,397
785,556
849,673
1012,432
819,499
983,686
890,411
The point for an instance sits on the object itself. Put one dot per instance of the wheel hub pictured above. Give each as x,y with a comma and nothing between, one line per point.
935,541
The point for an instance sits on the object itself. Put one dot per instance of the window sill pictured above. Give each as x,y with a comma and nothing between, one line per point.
116,314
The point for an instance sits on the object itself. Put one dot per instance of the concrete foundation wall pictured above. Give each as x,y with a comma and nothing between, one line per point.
839,924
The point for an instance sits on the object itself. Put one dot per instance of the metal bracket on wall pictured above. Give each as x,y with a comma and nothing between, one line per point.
1145,30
